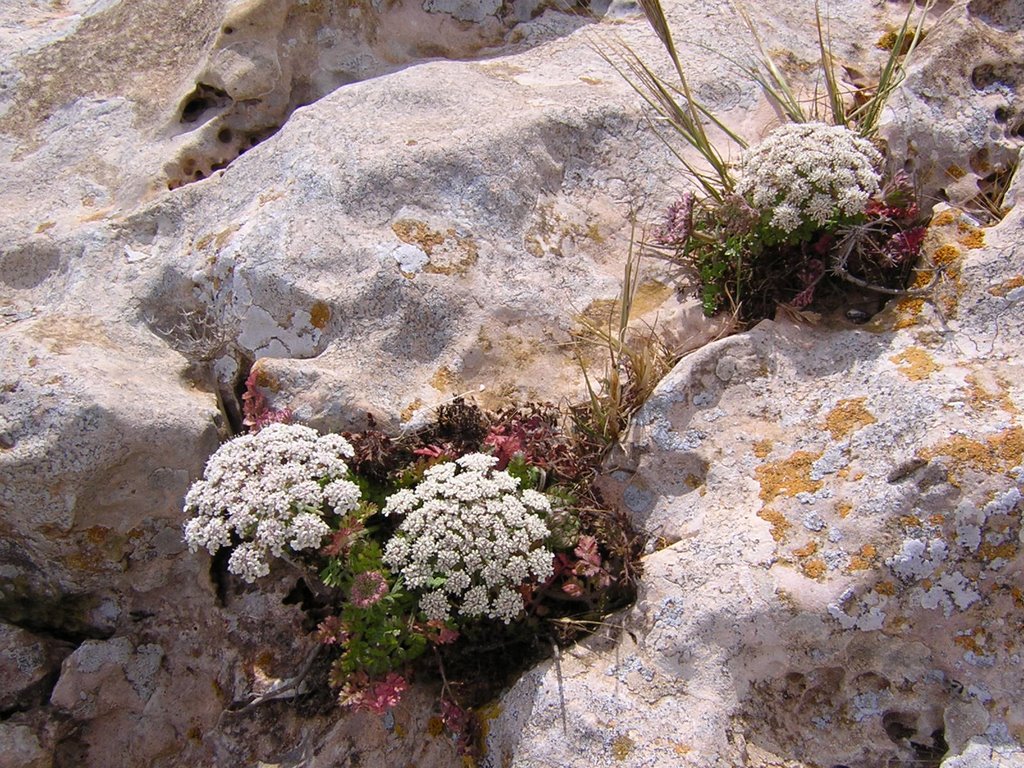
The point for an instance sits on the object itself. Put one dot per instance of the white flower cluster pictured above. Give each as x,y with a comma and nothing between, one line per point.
810,172
269,489
475,530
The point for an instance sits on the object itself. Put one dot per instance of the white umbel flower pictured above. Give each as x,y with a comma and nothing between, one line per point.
810,172
472,528
269,491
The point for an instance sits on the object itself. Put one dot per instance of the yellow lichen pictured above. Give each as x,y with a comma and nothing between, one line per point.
946,255
778,521
998,453
908,310
982,398
762,448
410,410
989,552
443,379
971,237
789,476
418,233
848,416
943,218
319,315
858,563
843,509
807,549
621,747
885,588
915,363
815,568
1006,286
435,726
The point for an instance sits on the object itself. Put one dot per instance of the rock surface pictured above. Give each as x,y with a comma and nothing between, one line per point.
383,204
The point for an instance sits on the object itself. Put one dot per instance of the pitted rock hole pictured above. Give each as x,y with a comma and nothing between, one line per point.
280,61
203,101
861,720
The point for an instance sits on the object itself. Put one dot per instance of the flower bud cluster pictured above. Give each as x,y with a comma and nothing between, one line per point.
269,490
810,172
469,538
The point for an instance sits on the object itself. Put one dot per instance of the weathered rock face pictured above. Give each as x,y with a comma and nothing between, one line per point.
835,514
386,203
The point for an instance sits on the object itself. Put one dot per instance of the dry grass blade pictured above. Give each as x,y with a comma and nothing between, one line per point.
835,95
866,116
634,365
772,81
677,107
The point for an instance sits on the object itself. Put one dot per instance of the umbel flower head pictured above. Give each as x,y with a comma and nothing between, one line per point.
810,172
270,490
469,538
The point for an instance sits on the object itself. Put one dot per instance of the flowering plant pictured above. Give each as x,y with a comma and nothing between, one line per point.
807,203
809,175
269,492
469,538
427,544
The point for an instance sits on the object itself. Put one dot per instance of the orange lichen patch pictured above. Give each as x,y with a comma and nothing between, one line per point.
910,521
999,452
915,363
885,588
983,398
946,255
955,172
789,476
991,552
409,411
443,379
1009,446
858,563
418,233
1007,285
807,549
762,448
936,519
1018,596
319,315
621,747
780,525
970,237
843,509
968,640
848,416
814,569
908,310
870,551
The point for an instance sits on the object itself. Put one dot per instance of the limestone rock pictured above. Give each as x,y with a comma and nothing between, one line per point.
958,122
382,205
28,665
